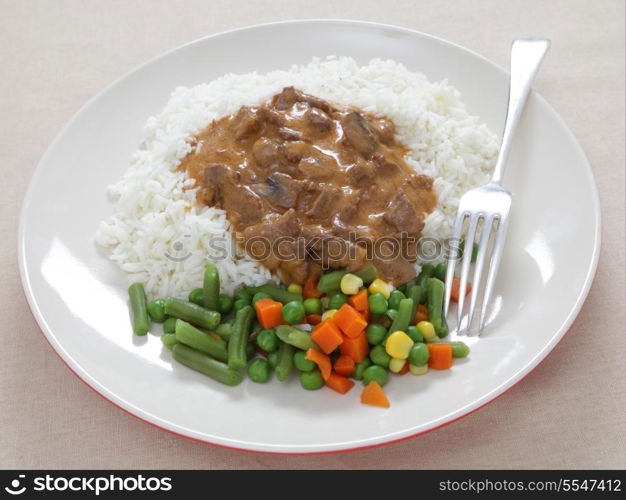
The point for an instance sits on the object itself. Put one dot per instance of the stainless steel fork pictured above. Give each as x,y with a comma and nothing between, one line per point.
488,206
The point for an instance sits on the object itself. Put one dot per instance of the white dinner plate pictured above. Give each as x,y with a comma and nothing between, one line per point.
79,299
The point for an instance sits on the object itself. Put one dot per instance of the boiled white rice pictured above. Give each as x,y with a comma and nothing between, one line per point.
160,237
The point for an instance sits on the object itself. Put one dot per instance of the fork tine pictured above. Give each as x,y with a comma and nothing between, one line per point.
467,259
493,269
452,257
478,269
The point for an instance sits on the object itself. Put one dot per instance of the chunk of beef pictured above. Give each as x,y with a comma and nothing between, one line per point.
384,130
222,189
359,134
361,173
246,122
269,154
402,214
325,202
318,120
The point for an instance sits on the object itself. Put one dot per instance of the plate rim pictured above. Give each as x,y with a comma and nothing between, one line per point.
325,448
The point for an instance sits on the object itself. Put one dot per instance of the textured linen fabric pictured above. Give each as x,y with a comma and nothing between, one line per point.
55,55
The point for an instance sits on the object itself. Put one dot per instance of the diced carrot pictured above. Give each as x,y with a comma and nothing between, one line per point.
405,369
357,348
359,301
344,365
327,336
440,356
374,395
269,313
314,319
455,293
339,383
421,314
321,360
349,320
310,289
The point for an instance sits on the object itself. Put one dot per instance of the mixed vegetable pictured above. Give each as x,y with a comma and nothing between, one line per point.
332,331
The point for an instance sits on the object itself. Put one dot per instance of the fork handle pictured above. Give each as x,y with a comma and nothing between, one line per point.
526,57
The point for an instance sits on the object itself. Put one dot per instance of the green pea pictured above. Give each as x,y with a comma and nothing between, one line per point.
301,363
242,293
440,271
267,340
259,296
376,373
272,359
419,354
392,314
395,298
312,380
156,310
169,325
259,370
360,368
376,333
293,312
240,304
415,333
197,296
250,349
378,303
337,300
226,304
312,306
379,356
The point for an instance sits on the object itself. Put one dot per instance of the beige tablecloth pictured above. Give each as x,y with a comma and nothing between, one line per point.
54,55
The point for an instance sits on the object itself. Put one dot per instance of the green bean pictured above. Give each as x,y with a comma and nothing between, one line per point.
259,370
426,272
192,313
272,359
201,341
311,381
330,282
276,293
259,296
139,309
243,294
419,354
418,294
440,271
226,304
360,368
415,333
284,361
474,250
239,338
196,296
204,364
312,306
240,304
367,274
301,363
267,340
404,319
376,373
375,333
156,310
435,291
392,314
293,312
337,300
168,339
169,325
295,337
394,299
224,330
379,356
443,331
377,303
211,285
